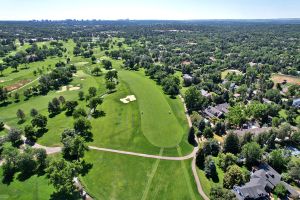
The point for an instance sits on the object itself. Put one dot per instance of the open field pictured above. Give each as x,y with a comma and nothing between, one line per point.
128,177
228,71
279,78
36,187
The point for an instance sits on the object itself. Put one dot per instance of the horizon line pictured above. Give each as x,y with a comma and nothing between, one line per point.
127,19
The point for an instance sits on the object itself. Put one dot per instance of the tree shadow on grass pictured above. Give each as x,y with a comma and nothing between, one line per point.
8,178
21,121
23,176
60,195
86,167
41,132
96,114
6,103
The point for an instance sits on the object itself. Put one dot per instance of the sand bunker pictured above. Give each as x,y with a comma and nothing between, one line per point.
69,88
2,81
128,99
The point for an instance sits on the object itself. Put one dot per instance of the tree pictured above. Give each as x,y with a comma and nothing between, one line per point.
191,137
111,75
74,147
171,85
62,100
41,158
194,100
17,97
226,160
252,153
33,112
83,127
61,173
279,159
27,94
208,133
110,85
233,176
96,71
220,193
81,95
200,158
29,132
231,144
3,94
273,95
92,91
14,64
280,191
26,162
80,112
210,168
10,156
70,106
295,138
211,147
94,102
14,136
294,169
220,128
2,68
21,115
39,121
1,125
107,64
201,125
51,108
237,115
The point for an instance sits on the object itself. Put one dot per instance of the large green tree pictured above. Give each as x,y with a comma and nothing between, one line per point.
252,153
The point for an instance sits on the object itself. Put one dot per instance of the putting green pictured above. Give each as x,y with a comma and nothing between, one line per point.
158,121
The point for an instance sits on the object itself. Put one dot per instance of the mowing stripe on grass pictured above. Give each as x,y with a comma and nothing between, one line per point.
154,168
186,176
159,123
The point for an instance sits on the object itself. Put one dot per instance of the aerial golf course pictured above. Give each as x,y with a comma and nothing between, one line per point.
152,124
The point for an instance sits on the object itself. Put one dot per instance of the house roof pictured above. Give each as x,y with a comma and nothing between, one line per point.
265,177
187,76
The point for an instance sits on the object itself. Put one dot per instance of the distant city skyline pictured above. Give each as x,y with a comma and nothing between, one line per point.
148,9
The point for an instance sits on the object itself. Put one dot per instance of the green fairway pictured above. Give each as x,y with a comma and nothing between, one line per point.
35,188
158,121
129,177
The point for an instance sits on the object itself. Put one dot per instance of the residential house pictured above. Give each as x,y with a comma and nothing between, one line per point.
218,111
261,184
296,103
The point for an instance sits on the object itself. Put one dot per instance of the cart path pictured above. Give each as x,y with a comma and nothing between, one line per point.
193,154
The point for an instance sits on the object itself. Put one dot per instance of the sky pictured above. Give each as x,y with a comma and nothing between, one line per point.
148,9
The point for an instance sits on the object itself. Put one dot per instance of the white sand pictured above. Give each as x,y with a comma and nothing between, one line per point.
128,99
68,88
2,81
74,88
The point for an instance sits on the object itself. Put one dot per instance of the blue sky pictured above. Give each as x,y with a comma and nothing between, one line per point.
148,9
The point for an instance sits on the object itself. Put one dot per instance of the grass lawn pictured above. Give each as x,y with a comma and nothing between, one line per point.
206,183
158,121
36,188
116,176
3,132
279,78
226,72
